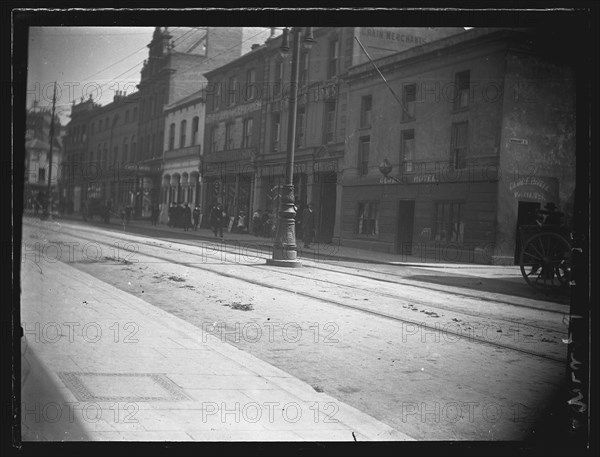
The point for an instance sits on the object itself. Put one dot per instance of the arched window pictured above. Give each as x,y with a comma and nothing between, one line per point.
195,127
182,134
171,137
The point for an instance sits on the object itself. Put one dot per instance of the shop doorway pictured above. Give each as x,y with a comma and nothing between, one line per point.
327,200
406,222
526,216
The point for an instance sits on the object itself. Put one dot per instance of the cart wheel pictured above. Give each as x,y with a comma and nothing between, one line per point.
546,261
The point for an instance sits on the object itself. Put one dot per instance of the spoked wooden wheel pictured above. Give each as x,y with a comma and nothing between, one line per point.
546,261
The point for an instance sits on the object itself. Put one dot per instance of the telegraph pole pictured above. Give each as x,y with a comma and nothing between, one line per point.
48,210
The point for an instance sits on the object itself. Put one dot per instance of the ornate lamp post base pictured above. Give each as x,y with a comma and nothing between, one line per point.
284,263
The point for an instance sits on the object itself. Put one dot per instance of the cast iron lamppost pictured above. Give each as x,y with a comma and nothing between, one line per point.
284,249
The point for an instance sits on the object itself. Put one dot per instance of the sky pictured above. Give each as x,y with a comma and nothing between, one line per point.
91,60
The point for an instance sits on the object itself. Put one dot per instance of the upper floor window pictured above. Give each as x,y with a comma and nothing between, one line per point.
232,90
459,144
303,68
364,146
216,96
251,88
100,125
126,116
407,149
133,147
125,150
278,77
300,119
171,136
195,127
462,88
182,132
409,98
229,136
247,140
214,145
92,128
332,68
135,114
365,111
106,124
329,122
275,131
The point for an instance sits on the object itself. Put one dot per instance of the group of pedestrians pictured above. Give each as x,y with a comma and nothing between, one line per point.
182,216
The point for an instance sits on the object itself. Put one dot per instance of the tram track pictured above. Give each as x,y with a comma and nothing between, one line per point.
338,303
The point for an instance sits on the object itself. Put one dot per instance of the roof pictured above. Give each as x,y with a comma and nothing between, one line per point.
189,100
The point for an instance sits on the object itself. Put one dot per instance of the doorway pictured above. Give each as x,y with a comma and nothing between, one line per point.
526,216
406,222
327,200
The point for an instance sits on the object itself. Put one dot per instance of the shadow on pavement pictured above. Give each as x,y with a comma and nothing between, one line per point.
506,286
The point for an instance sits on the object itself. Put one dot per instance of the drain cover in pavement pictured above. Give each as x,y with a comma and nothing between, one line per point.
123,387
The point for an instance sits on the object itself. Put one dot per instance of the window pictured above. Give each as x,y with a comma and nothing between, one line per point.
126,116
363,155
407,149
100,125
276,131
92,128
365,111
152,144
329,122
251,85
449,226
42,174
171,136
231,90
135,113
229,136
462,89
217,96
278,77
459,140
300,126
105,155
214,146
99,153
133,147
115,156
368,218
333,58
106,124
247,141
125,150
409,96
182,131
195,127
303,69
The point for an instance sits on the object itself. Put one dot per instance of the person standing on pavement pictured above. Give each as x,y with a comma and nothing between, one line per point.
216,220
186,215
308,225
196,215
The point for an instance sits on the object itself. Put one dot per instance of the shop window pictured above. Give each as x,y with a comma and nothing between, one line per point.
409,97
364,146
366,105
368,218
449,225
407,149
459,144
462,86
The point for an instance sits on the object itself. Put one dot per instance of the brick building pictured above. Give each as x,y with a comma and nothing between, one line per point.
479,134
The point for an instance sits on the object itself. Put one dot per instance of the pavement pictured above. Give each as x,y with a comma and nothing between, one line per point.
477,262
100,364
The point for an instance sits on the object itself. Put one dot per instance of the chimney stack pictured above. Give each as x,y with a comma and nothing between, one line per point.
255,46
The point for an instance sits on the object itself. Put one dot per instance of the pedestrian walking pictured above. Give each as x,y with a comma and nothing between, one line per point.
256,223
186,216
308,226
265,224
196,216
216,220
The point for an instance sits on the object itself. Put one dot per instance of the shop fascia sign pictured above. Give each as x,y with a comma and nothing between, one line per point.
136,167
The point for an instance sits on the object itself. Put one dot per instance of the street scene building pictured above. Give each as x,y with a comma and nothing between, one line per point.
449,158
307,233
